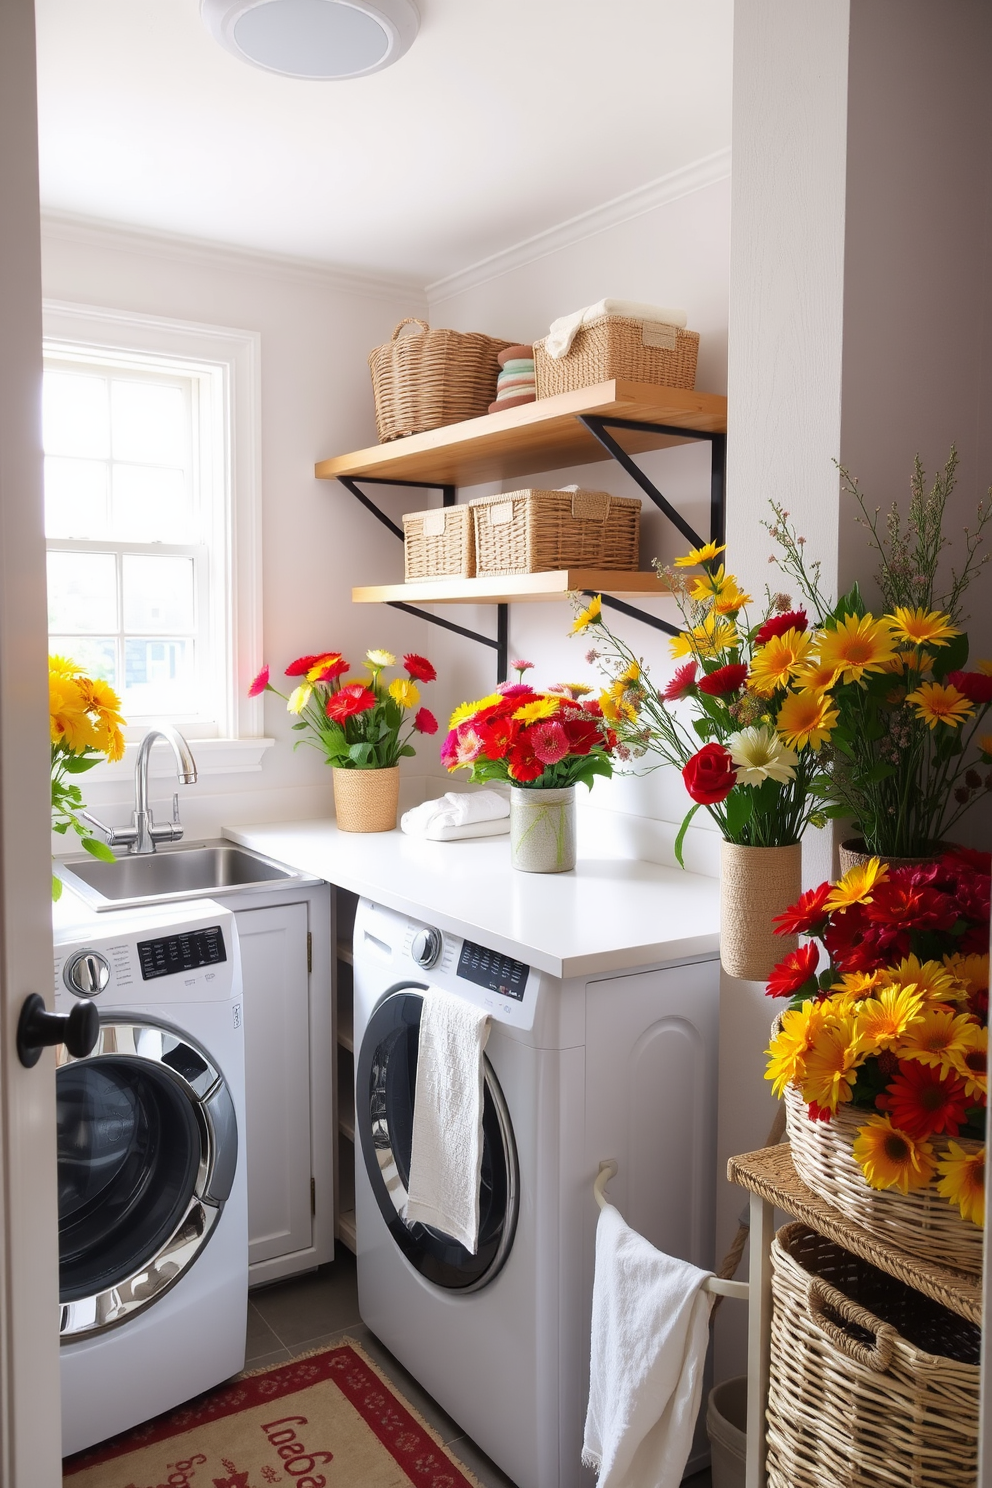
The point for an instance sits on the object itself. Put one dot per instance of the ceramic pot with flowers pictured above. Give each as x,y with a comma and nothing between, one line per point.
540,744
363,727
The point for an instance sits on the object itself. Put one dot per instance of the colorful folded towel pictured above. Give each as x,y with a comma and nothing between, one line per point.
513,353
514,402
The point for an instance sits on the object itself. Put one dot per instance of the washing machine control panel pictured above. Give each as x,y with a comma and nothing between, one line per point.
186,951
491,970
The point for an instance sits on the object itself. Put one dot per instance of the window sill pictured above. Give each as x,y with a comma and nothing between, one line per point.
212,756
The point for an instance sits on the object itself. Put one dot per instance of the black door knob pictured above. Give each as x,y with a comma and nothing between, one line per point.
38,1029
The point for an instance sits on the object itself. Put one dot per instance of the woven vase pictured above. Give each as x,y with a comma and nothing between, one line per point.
854,852
756,883
366,800
542,829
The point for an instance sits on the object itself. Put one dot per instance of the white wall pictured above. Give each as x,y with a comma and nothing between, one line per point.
316,331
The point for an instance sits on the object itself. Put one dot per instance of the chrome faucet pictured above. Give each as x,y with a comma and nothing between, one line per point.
143,835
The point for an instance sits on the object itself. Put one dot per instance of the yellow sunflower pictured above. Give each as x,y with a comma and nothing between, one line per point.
704,554
856,885
937,1037
972,1064
465,711
788,1049
940,702
921,627
69,717
774,664
891,1159
806,718
710,638
729,601
591,615
831,1066
860,983
813,676
971,971
542,707
856,645
885,1019
616,709
962,1181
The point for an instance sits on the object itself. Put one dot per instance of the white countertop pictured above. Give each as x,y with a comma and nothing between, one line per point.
608,914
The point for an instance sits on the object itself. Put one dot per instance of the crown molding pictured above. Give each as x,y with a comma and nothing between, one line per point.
92,232
657,193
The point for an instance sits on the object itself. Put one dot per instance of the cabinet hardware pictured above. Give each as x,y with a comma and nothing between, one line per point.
313,1195
309,950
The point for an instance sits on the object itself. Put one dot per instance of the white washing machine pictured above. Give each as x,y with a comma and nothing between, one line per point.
153,1216
621,1066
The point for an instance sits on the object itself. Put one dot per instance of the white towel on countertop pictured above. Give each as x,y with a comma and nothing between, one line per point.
459,814
650,1330
562,333
446,1155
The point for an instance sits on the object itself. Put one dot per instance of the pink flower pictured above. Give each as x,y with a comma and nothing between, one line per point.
424,721
260,683
548,740
682,683
349,701
521,666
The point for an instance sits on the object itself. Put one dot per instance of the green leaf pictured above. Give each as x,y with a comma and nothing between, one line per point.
680,839
879,771
97,848
950,658
703,727
56,889
407,751
300,725
739,807
850,603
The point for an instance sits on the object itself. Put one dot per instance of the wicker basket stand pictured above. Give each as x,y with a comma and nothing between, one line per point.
432,378
614,346
871,1381
439,543
534,531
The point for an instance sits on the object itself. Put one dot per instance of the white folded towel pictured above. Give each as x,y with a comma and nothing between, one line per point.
562,333
446,1156
459,814
650,1330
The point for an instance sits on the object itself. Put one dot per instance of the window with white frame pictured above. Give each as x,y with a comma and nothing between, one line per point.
143,509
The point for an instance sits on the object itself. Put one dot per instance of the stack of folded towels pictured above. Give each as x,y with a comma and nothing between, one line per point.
457,814
515,383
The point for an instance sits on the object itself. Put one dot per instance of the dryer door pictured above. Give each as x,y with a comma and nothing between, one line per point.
147,1150
386,1080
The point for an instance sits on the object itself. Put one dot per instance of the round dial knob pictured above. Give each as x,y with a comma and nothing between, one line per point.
87,973
426,947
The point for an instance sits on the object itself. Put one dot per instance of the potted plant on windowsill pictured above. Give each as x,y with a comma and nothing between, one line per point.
542,744
358,726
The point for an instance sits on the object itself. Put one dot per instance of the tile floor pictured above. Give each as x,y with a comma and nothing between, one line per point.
318,1309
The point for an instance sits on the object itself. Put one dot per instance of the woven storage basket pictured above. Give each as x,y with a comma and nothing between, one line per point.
366,800
439,543
921,1223
872,1383
534,531
432,379
616,346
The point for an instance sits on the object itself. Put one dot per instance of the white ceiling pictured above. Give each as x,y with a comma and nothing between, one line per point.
505,118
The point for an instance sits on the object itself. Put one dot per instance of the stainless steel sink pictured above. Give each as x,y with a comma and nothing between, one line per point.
206,869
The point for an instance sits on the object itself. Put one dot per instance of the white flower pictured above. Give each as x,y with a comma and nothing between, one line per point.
759,754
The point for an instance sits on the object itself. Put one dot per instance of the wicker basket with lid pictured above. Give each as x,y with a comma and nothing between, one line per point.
431,379
534,531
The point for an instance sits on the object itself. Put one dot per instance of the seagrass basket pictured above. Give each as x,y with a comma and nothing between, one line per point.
921,1223
534,531
431,379
871,1383
616,346
439,543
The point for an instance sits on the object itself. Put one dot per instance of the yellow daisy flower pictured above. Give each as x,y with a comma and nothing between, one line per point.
299,697
544,707
985,667
962,1181
831,1066
921,627
774,664
404,692
860,983
985,745
69,719
591,615
972,1064
465,711
939,702
936,1037
788,1049
885,1019
630,674
380,659
710,638
935,982
704,554
856,645
971,971
891,1159
813,676
574,690
62,666
712,582
616,709
729,601
856,885
806,718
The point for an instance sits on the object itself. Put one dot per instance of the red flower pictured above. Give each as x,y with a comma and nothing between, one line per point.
905,905
779,624
819,1113
449,750
496,734
548,740
518,691
336,667
419,667
968,857
304,663
724,679
424,721
807,915
710,775
795,971
595,707
260,683
976,687
524,764
922,1103
681,684
855,944
349,701
583,734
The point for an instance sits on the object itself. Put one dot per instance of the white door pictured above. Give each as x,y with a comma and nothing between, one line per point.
277,1082
29,1361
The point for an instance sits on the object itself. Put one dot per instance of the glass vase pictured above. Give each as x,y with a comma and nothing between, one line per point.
542,829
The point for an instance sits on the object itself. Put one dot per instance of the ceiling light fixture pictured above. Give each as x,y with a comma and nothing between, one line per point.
320,39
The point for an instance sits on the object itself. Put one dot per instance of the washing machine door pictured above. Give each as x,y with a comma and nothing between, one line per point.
147,1151
385,1084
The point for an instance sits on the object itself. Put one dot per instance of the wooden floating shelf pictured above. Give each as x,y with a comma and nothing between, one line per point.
514,588
545,435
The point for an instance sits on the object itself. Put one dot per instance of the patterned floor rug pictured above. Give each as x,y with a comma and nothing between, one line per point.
327,1420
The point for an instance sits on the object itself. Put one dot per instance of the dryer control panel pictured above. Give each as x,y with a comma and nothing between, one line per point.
489,969
490,979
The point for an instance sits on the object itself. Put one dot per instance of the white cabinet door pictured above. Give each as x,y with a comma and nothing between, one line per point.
277,1079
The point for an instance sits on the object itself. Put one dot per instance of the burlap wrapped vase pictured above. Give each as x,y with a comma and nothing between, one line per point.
756,884
366,800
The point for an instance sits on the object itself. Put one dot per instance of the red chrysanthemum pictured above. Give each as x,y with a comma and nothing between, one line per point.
304,663
419,668
779,624
724,679
794,971
496,734
855,944
524,764
807,915
336,667
924,1101
548,740
968,857
583,734
349,701
904,905
681,684
976,687
424,721
260,683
